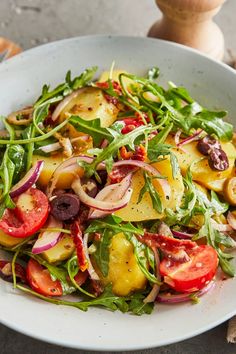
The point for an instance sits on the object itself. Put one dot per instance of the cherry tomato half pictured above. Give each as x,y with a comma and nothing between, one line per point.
28,216
194,274
40,280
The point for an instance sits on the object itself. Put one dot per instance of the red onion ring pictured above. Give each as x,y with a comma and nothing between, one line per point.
151,297
98,204
48,239
164,184
190,138
28,180
64,103
231,220
182,235
174,299
111,193
69,165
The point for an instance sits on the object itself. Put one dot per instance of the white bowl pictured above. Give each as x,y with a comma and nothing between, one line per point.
214,85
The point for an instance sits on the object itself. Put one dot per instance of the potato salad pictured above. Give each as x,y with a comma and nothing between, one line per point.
117,192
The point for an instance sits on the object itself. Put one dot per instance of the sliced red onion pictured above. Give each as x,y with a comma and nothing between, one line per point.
145,166
221,227
98,204
69,165
28,180
92,273
174,299
182,235
111,193
190,138
231,220
151,297
60,107
48,239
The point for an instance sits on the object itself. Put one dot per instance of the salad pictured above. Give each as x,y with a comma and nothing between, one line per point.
117,192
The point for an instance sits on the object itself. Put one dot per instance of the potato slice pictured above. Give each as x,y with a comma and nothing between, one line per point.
9,241
50,164
61,251
144,210
124,272
201,171
91,104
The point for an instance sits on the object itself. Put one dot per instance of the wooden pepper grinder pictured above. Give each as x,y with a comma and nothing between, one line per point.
8,49
189,22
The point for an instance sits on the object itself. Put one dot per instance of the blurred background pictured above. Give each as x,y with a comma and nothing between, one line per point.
33,22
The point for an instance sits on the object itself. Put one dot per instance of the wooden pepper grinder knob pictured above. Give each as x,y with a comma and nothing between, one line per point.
189,22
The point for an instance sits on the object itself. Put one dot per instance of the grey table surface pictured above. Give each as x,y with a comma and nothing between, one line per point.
33,22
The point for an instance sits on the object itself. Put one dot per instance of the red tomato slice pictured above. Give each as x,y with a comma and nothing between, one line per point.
29,215
40,280
194,274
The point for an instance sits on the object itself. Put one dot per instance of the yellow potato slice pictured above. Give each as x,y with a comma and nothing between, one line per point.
50,164
201,171
9,241
144,210
61,251
124,272
91,104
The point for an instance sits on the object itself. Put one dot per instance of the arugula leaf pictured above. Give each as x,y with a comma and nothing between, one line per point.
72,269
184,213
10,169
91,127
68,86
83,80
217,206
113,222
148,187
156,150
118,141
153,73
214,239
139,252
102,251
138,307
107,300
188,117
